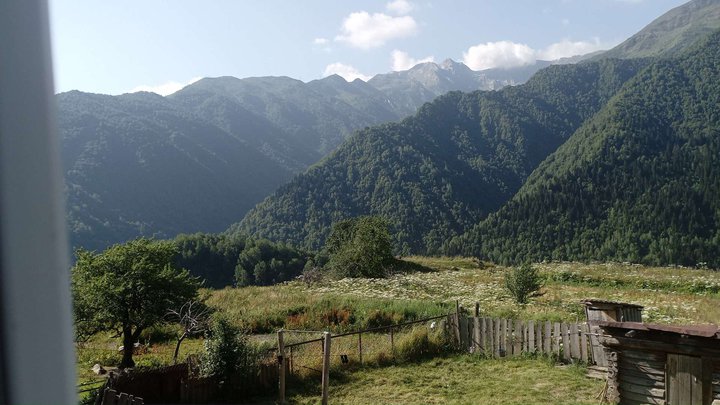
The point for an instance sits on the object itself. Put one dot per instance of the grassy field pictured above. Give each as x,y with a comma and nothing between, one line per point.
670,295
459,379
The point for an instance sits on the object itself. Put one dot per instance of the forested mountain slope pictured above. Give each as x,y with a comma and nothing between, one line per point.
670,34
137,164
434,174
639,182
198,160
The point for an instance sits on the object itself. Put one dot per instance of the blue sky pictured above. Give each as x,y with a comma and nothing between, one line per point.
119,46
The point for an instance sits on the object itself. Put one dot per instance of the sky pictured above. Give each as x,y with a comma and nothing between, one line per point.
121,46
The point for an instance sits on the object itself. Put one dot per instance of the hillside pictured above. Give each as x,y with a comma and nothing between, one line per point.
671,33
640,182
138,165
434,174
199,159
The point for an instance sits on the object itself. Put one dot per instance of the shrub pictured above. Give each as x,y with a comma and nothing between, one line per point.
228,352
523,282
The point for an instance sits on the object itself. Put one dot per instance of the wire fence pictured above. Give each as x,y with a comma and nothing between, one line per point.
304,349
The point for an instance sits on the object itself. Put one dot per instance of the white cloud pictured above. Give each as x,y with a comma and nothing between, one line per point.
320,41
505,54
566,48
165,89
402,61
365,31
347,72
399,7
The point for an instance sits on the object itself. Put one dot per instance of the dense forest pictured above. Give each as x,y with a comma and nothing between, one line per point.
435,174
640,182
222,260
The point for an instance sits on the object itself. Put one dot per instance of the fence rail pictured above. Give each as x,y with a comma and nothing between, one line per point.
499,337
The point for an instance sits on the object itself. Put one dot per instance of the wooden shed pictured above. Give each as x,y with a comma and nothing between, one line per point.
660,364
602,310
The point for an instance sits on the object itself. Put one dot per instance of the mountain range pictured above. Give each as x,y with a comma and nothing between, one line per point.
199,159
612,158
607,193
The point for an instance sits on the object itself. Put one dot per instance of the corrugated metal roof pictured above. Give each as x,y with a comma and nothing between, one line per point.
707,331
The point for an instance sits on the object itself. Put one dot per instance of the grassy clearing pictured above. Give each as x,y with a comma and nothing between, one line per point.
670,295
459,379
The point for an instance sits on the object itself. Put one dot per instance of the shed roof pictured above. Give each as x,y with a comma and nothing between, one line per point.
706,331
593,302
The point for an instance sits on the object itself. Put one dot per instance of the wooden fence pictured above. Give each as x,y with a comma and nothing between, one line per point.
512,337
112,397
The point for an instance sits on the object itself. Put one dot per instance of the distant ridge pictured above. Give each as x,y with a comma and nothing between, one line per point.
671,33
639,182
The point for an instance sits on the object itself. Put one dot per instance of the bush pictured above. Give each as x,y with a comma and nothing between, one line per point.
228,352
523,282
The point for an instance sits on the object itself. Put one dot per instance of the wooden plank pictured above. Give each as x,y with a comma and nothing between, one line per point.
525,339
637,363
642,369
644,355
642,390
556,338
641,380
109,397
538,337
123,399
507,336
486,337
565,341
464,338
490,333
503,337
476,335
498,344
695,371
547,339
598,355
574,331
517,338
673,364
643,399
584,343
531,336
634,373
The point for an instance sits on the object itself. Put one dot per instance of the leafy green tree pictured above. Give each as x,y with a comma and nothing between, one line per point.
360,247
128,288
523,282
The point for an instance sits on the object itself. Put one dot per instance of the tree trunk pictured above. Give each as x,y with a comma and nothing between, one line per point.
128,346
177,347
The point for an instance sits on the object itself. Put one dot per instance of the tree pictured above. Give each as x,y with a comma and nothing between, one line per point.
523,282
128,288
359,247
193,316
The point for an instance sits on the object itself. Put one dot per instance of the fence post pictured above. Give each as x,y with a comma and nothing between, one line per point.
326,367
360,347
477,310
281,364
